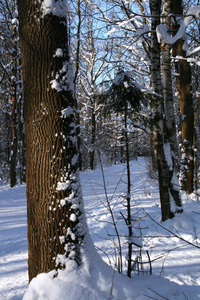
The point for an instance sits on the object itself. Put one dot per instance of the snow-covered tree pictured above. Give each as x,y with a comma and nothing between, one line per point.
124,96
186,102
93,67
54,200
169,193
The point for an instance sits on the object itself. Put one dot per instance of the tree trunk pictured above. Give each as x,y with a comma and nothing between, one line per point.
170,125
76,104
128,198
164,169
93,137
13,156
21,133
54,203
186,108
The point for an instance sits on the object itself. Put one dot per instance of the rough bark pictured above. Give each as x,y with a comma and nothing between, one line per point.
170,125
53,189
167,84
186,108
164,170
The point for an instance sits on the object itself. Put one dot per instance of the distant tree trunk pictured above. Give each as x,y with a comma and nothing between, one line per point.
21,133
183,68
76,105
160,147
170,125
93,138
13,156
54,202
128,198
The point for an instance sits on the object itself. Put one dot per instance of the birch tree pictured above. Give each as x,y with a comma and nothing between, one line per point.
186,103
170,136
54,201
167,183
170,124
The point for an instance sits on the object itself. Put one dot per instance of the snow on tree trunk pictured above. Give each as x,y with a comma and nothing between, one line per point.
170,126
183,68
162,153
54,200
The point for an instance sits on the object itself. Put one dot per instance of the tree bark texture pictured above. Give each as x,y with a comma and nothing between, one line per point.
53,189
164,171
186,103
170,125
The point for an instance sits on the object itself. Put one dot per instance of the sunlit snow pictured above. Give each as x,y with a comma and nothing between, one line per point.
175,264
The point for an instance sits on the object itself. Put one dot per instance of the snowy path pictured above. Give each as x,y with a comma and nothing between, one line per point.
181,265
13,243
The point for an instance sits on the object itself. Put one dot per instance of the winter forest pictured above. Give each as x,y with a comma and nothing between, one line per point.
99,149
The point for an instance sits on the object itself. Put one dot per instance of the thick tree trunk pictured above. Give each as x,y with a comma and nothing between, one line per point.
186,108
170,125
160,147
53,191
167,84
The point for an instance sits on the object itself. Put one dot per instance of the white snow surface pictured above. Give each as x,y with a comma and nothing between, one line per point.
193,11
54,7
176,276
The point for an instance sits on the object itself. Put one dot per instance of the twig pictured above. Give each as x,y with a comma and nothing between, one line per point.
185,296
175,235
158,294
105,254
111,213
111,289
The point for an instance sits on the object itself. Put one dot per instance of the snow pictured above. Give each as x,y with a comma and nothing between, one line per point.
67,111
141,31
73,217
54,7
175,275
63,80
59,53
62,186
193,11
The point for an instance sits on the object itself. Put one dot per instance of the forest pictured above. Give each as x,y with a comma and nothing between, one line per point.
86,85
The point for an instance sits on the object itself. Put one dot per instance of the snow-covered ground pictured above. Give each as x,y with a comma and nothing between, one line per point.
175,264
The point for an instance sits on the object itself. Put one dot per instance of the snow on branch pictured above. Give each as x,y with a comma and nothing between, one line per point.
161,30
57,8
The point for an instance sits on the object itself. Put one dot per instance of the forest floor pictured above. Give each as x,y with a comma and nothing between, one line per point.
175,262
